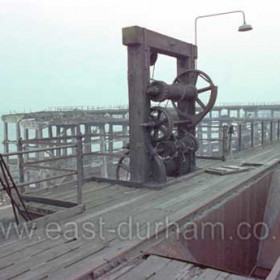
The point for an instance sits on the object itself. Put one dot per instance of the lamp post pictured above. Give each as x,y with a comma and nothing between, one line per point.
244,27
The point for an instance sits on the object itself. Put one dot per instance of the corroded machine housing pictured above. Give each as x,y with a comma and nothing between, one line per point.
162,140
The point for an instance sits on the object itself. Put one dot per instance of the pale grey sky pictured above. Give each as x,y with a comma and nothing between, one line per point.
69,52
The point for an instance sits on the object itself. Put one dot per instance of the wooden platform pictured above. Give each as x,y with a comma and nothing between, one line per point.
158,268
145,214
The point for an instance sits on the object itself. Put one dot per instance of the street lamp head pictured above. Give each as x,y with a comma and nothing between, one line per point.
245,27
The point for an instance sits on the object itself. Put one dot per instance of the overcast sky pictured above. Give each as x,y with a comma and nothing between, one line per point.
70,52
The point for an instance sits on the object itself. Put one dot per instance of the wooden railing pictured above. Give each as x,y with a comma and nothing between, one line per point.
54,155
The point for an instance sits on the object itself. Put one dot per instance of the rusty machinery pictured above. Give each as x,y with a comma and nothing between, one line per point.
162,139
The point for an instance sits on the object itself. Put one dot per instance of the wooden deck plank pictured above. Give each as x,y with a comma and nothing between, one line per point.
60,263
147,269
172,270
117,204
36,259
208,274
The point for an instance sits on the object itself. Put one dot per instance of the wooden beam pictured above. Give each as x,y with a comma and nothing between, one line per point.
162,44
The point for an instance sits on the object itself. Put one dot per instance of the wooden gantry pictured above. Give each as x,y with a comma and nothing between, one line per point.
142,44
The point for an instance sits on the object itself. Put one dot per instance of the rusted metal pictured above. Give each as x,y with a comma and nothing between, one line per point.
189,78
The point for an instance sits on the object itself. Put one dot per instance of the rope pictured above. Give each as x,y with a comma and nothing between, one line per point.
9,186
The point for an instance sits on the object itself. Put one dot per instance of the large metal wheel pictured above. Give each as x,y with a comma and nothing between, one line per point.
190,77
161,124
188,143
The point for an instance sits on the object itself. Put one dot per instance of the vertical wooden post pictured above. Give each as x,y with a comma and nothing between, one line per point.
78,129
40,136
252,134
20,162
271,131
6,139
50,132
230,134
111,149
239,137
26,137
224,142
278,129
139,104
124,131
111,139
64,141
26,134
104,167
58,131
80,171
73,139
262,128
199,135
50,135
18,132
87,140
40,155
210,145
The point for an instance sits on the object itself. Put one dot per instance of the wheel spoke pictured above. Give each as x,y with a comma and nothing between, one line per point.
164,121
154,118
162,124
125,167
200,103
204,89
204,78
159,115
156,133
163,131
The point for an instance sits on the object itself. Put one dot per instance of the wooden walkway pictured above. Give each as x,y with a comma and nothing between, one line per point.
119,222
